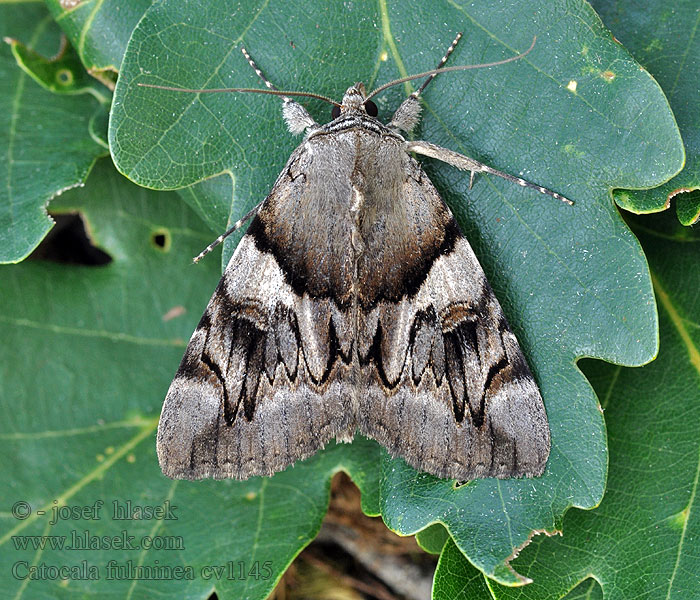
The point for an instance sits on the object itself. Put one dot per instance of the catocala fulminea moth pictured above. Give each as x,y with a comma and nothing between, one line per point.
354,303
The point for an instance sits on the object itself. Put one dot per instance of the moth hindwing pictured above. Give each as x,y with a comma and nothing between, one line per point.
354,303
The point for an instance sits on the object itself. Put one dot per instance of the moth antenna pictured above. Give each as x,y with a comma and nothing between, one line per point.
296,116
237,225
407,115
434,72
282,93
257,70
441,64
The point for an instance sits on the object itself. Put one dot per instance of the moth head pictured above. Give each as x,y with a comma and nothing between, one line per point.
355,100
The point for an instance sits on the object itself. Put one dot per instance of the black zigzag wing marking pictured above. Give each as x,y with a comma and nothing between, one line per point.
265,380
449,389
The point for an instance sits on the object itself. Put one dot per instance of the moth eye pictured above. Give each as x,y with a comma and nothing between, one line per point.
371,108
335,113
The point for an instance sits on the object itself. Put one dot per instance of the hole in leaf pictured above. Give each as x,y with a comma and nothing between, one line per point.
69,243
64,76
458,484
161,239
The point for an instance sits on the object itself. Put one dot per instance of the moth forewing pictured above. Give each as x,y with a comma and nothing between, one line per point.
354,303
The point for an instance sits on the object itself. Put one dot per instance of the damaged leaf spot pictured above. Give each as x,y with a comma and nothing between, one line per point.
574,151
161,239
679,520
174,312
69,242
654,46
458,484
608,75
572,86
64,77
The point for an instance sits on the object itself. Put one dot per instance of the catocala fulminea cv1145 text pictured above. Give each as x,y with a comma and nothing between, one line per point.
353,303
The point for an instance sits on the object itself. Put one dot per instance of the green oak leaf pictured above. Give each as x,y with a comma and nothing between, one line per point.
48,142
87,357
663,38
573,281
61,74
432,539
457,579
99,31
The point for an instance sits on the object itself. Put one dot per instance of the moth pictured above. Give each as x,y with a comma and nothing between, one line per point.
354,303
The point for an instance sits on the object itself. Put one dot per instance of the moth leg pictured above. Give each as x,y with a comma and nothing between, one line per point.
474,166
407,115
295,115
